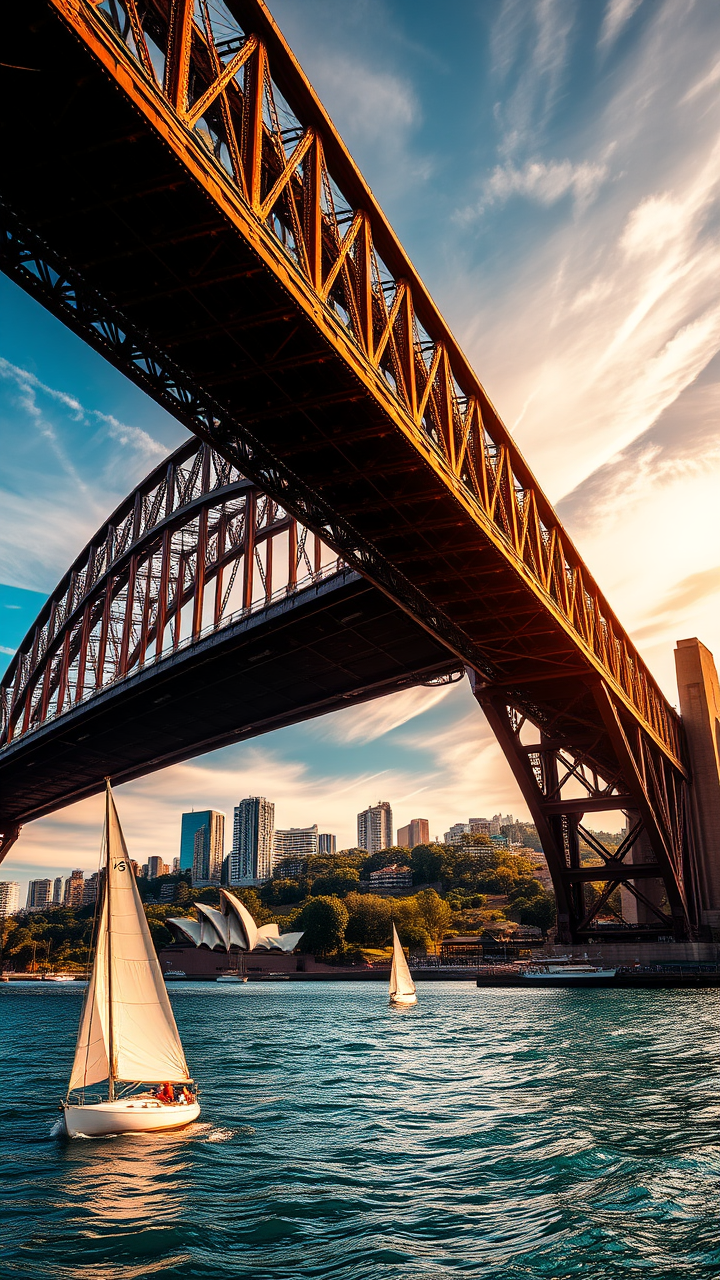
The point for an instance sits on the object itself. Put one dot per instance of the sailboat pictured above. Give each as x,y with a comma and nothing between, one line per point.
402,987
127,1036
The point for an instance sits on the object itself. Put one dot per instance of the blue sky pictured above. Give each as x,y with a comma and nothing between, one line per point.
552,167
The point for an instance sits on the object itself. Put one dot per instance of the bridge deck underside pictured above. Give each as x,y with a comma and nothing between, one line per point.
107,193
331,646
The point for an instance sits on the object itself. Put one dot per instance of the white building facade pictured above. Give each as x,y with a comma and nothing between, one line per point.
375,827
9,898
251,859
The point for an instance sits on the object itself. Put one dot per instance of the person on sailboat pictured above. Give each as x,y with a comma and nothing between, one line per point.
128,1035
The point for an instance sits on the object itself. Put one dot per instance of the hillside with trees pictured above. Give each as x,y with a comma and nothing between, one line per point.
456,889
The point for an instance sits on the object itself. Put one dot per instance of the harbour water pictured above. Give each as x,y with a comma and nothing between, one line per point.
494,1133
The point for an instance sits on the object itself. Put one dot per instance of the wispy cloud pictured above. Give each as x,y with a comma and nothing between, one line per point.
372,720
530,46
53,499
546,183
617,16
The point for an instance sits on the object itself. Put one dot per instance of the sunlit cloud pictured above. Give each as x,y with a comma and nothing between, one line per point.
617,16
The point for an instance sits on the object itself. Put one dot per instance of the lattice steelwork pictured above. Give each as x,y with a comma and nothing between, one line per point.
211,235
218,81
194,548
561,786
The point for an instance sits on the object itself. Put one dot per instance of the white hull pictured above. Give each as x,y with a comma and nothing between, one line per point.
128,1115
412,999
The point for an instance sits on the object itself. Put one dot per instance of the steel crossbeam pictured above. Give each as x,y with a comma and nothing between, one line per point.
192,549
236,109
211,235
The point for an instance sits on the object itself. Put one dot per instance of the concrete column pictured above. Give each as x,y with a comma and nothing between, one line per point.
700,709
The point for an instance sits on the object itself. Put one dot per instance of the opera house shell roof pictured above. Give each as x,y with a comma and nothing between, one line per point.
232,927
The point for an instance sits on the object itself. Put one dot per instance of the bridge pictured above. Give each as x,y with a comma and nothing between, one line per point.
191,213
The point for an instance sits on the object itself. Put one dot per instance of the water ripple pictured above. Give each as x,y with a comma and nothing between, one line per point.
510,1135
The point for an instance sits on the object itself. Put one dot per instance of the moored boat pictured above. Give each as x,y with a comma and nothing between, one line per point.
585,973
402,987
127,1039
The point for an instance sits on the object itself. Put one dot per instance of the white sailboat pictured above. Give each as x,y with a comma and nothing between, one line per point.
402,987
127,1036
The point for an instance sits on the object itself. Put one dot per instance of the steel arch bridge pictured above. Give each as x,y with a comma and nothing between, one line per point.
170,635
210,234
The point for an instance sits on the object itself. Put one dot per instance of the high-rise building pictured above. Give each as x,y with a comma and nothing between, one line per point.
57,891
485,826
327,843
39,895
74,889
375,827
456,832
296,842
156,867
91,888
416,832
253,830
211,845
176,866
9,898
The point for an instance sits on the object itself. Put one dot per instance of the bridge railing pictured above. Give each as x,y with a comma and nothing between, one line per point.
232,85
195,548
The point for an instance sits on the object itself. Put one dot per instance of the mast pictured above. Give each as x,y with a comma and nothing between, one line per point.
111,1037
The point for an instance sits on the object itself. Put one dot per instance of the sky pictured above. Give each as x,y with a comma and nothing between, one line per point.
553,170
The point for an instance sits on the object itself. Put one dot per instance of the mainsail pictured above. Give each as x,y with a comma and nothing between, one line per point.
401,984
127,1029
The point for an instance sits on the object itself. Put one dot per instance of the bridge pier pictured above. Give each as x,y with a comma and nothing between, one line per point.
699,691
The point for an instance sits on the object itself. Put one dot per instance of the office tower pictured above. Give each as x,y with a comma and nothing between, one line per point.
456,833
91,888
39,895
416,832
57,891
176,866
156,867
485,826
213,843
9,898
296,842
253,829
74,889
375,827
327,843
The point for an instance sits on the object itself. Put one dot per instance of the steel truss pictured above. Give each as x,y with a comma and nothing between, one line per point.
234,108
192,549
561,785
223,90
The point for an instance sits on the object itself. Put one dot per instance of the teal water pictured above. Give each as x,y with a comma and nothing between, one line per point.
507,1134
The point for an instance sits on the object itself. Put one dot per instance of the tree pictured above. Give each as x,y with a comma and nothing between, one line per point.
396,853
323,922
369,919
434,913
414,935
281,891
342,881
426,863
539,911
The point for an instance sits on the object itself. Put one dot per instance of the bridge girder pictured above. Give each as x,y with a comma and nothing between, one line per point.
231,260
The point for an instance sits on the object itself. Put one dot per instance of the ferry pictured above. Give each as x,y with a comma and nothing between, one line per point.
585,973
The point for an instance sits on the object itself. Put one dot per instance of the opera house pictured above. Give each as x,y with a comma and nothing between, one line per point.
214,942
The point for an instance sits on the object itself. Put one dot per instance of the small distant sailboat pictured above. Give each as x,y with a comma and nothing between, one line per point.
127,1034
402,987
